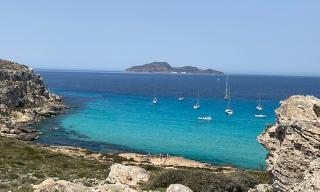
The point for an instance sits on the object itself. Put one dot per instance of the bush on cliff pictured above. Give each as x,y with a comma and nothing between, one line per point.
316,110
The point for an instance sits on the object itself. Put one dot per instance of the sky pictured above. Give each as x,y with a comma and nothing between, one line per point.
242,37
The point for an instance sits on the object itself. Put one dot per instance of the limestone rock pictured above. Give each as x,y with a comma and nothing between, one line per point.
261,188
50,185
294,146
129,175
24,99
178,188
113,188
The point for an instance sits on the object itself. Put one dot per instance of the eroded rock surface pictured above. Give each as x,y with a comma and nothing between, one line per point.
178,188
126,174
294,146
24,99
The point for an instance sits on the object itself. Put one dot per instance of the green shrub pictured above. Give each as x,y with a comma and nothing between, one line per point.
203,181
316,110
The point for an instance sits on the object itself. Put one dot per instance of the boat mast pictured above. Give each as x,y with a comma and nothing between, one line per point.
198,98
227,96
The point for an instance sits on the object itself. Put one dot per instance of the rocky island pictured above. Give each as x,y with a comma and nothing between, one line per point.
164,67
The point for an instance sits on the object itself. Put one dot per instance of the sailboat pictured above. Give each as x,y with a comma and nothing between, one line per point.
259,107
181,98
229,110
155,99
197,105
227,94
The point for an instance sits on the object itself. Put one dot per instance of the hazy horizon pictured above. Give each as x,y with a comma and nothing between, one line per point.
247,37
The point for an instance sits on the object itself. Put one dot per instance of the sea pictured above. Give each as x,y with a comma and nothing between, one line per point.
113,112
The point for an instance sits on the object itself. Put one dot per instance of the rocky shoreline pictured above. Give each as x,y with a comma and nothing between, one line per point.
25,99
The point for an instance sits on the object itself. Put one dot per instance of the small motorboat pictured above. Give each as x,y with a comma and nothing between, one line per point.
181,98
205,118
261,116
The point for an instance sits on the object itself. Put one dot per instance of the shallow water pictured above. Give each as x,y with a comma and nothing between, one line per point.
114,112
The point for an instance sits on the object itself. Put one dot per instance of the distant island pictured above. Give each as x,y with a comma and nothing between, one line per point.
164,67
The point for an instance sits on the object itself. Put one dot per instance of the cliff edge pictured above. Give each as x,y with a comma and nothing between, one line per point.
24,99
293,143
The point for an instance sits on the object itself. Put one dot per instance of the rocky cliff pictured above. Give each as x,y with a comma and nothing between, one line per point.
24,99
294,145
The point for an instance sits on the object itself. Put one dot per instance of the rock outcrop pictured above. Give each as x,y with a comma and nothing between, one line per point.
129,175
294,146
178,188
121,178
24,99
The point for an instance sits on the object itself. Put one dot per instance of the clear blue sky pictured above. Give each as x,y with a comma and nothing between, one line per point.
248,37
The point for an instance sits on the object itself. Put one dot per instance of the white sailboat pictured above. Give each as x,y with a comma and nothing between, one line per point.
259,107
155,99
229,110
197,105
227,94
181,98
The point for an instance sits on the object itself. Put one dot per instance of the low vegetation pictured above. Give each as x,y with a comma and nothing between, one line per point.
23,164
205,180
316,110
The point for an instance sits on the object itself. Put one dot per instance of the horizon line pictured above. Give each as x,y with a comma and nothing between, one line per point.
124,71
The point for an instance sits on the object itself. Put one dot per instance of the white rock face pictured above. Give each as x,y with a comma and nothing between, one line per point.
113,188
50,185
294,146
129,175
178,188
261,188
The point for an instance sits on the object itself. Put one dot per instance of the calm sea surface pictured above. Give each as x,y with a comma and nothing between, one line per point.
113,112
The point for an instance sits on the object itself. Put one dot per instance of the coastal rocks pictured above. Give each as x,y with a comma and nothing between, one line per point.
261,188
178,188
294,145
129,175
24,99
50,185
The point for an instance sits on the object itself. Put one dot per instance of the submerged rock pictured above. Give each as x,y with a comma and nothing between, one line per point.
178,188
126,174
24,99
294,146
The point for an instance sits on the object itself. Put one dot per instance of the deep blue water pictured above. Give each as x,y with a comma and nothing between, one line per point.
112,112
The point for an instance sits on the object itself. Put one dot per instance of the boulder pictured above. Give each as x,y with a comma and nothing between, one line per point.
113,188
293,143
178,188
129,175
50,185
261,188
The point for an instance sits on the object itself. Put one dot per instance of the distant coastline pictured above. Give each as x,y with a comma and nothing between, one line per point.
164,67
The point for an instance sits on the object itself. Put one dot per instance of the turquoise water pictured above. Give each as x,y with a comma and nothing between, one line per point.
173,127
113,112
